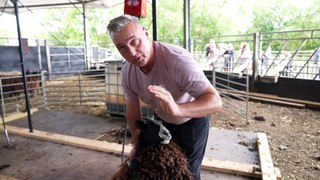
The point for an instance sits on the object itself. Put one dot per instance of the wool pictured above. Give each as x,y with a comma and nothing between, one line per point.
158,161
154,160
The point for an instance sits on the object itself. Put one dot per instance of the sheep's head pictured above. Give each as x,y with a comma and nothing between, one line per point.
153,132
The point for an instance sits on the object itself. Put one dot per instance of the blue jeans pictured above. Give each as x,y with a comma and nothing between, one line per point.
192,137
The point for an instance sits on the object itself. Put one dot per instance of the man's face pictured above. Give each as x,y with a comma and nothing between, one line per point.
133,44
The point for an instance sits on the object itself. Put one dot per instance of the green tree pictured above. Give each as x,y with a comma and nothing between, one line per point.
208,18
67,27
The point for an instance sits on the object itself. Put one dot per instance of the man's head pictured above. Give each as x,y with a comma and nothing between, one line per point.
116,24
131,39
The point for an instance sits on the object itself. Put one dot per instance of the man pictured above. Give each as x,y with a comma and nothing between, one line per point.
317,56
169,81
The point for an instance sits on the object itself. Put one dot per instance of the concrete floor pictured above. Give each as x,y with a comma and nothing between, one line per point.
29,158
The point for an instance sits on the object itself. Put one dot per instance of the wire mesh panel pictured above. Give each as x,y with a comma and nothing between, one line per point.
85,88
67,59
115,98
234,89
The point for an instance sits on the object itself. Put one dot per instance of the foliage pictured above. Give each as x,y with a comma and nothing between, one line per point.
207,19
66,26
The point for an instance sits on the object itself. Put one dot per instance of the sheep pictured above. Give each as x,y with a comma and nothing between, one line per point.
154,159
12,83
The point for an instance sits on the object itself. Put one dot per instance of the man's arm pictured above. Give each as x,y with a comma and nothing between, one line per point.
133,114
208,102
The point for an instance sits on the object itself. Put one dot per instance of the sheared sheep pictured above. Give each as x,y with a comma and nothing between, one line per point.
155,160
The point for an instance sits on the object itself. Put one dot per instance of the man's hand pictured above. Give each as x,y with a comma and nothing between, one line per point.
167,103
208,102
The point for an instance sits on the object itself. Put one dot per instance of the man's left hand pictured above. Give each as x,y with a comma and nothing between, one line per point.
167,103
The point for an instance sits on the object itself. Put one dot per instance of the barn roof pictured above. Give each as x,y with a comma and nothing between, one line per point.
8,7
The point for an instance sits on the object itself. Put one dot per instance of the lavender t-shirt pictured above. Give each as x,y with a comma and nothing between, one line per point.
175,69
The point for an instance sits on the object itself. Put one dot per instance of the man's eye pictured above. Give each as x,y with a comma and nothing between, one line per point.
121,48
134,42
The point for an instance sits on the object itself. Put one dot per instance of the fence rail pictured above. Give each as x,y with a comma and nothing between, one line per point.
292,54
86,89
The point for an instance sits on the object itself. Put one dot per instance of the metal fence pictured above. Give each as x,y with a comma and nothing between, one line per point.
235,92
85,88
114,94
13,97
209,52
43,55
290,54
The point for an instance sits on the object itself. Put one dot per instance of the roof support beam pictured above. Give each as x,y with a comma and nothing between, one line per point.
87,58
154,20
16,11
187,36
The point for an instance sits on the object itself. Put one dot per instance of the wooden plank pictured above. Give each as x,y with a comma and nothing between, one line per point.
312,103
266,164
278,173
274,97
17,115
70,140
278,101
231,167
270,98
236,168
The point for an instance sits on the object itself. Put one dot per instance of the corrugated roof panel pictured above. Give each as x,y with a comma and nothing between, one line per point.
8,7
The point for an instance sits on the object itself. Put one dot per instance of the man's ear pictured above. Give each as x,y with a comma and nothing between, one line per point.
145,30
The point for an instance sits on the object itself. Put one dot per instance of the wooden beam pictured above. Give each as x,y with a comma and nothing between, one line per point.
236,168
270,98
231,167
266,164
267,100
278,101
306,102
17,115
70,140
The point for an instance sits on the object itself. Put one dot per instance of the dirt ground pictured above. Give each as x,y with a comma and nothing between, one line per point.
293,135
33,159
37,159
